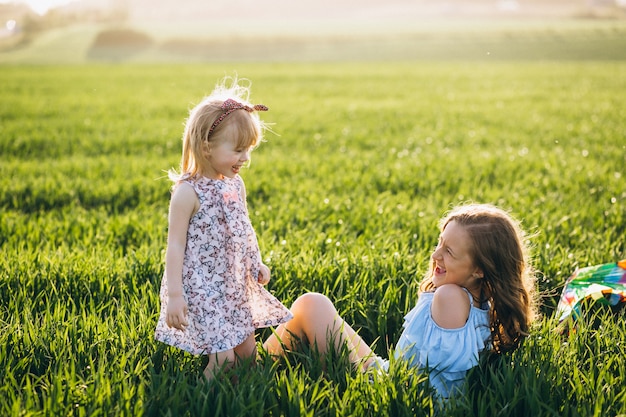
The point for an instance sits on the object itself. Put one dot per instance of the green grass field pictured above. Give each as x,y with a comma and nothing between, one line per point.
345,199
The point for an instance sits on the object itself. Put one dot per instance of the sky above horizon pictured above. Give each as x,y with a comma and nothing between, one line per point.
39,6
42,6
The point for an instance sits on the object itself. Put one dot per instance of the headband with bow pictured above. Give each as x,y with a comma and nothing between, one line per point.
230,106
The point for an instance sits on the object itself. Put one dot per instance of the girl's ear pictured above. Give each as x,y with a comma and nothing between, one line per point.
206,149
478,273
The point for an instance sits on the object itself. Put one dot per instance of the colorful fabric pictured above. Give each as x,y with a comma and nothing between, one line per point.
605,284
220,275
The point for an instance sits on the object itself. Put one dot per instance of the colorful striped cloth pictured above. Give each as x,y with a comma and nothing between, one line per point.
604,283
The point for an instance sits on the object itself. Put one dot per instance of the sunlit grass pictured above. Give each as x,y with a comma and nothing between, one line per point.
345,200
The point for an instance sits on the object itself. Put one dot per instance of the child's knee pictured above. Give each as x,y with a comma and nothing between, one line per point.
314,312
312,303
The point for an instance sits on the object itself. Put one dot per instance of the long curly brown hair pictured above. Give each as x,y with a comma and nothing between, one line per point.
499,249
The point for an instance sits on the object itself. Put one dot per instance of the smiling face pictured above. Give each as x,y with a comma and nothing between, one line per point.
226,156
453,259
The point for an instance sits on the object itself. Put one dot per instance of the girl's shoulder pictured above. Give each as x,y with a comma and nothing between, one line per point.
184,200
451,306
184,187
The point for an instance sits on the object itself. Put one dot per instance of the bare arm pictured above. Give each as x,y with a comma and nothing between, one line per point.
183,205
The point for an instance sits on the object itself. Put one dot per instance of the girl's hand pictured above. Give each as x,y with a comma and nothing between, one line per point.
176,315
264,274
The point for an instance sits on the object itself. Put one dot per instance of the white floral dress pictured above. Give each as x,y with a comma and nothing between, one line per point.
220,271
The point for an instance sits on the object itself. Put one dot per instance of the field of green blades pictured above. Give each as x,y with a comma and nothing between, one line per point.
345,196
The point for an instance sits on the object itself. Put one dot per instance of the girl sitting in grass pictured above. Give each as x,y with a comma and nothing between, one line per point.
477,296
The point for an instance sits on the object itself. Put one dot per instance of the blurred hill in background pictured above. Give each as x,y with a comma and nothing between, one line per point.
152,30
364,10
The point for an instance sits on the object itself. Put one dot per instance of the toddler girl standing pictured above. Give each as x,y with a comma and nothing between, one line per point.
212,294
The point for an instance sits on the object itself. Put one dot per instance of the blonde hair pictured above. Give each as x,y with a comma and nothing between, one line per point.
248,125
499,249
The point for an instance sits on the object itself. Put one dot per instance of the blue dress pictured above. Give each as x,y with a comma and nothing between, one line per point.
447,353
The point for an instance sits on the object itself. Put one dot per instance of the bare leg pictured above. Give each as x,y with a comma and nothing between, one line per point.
316,318
219,361
226,359
247,349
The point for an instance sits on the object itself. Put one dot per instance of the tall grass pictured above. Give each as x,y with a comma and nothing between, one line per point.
345,199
